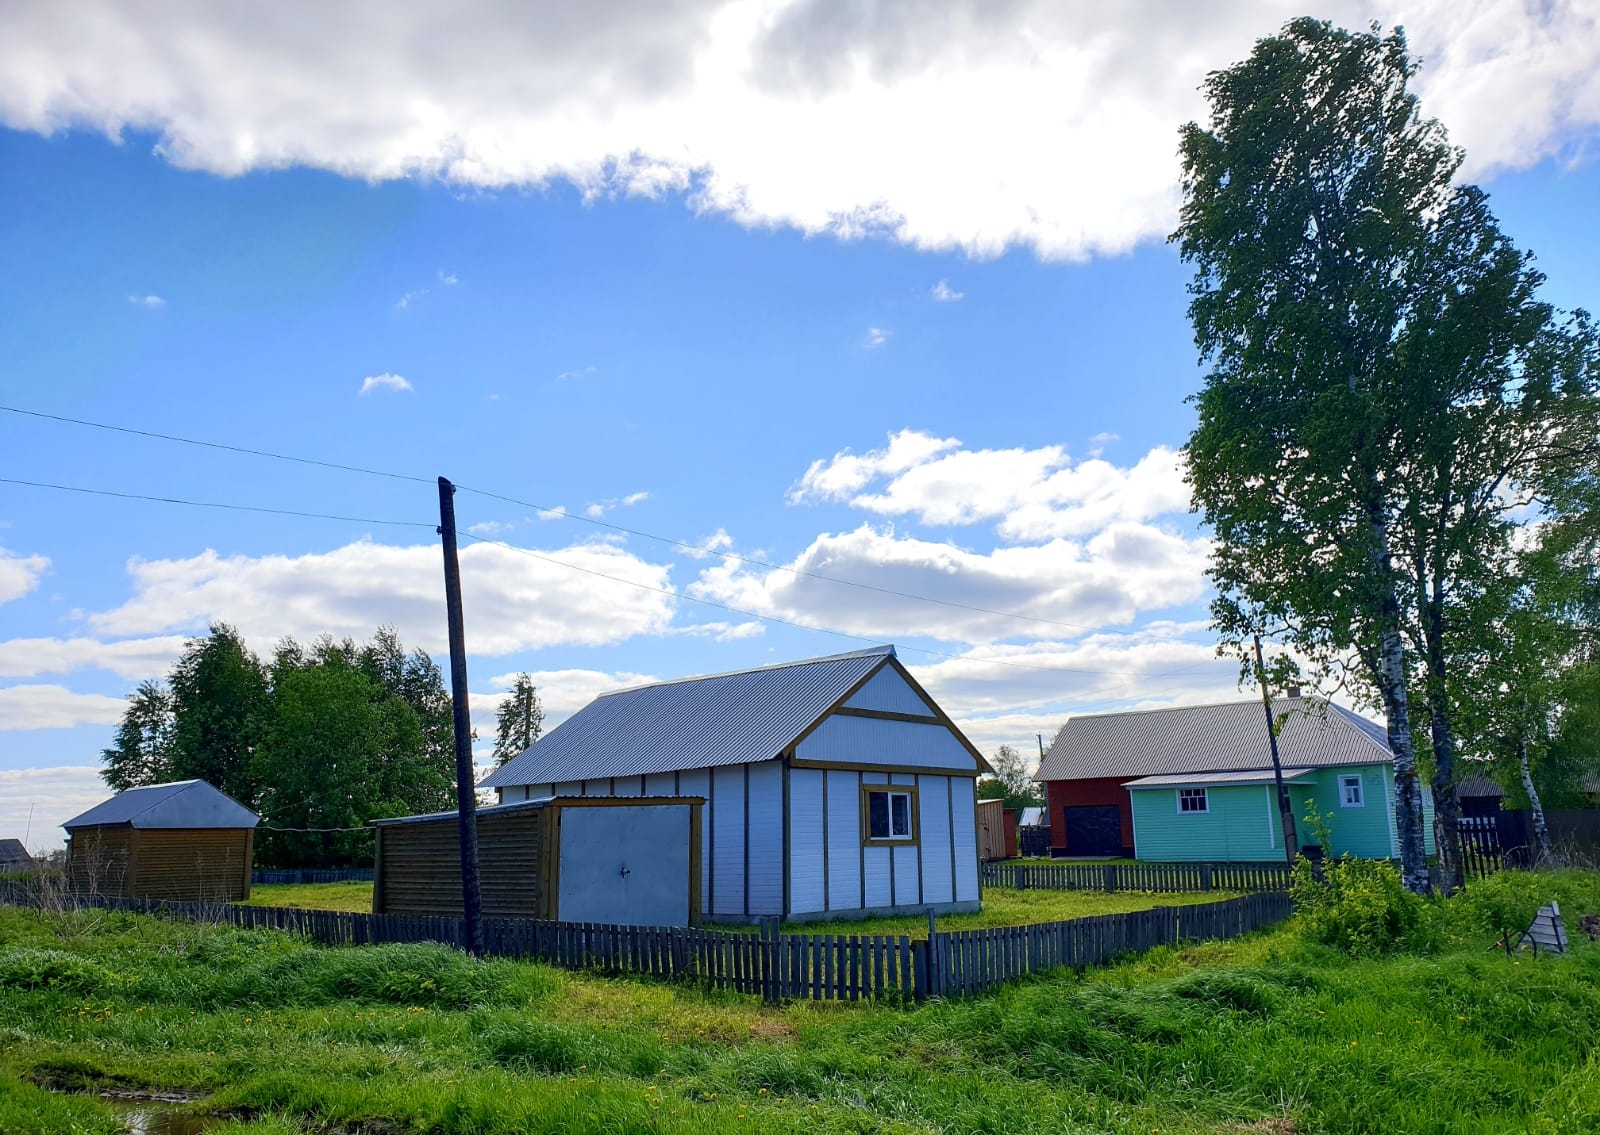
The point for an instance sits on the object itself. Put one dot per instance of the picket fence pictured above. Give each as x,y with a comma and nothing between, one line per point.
817,967
312,875
1161,878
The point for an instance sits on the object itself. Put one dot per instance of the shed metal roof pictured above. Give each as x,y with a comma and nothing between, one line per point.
692,723
1478,785
12,851
1245,776
1231,736
181,804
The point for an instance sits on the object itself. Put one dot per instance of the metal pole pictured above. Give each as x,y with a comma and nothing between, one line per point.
466,781
1285,808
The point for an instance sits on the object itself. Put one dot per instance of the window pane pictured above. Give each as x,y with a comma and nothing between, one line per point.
900,808
878,815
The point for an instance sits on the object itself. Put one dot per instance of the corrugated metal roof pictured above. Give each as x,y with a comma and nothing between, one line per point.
1476,785
452,814
1247,776
1211,738
181,804
721,719
1036,817
12,851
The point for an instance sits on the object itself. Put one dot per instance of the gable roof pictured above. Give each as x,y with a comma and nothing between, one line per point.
12,851
180,804
1231,736
692,723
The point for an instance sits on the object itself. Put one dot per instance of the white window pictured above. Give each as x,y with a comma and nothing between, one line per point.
889,815
1350,792
1192,800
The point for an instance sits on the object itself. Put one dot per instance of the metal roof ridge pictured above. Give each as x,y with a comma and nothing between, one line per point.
1180,708
886,650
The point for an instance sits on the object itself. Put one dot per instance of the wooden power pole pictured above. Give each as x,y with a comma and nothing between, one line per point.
466,781
1285,807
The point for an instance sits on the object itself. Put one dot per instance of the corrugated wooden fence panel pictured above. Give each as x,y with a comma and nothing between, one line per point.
1160,878
818,967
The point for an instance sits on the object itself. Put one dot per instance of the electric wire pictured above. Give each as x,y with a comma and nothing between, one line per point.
214,504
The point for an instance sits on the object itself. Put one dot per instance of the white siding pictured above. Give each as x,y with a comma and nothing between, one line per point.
962,806
661,784
597,787
727,841
844,841
903,861
842,739
513,794
876,861
765,870
933,794
806,892
698,783
628,786
887,690
570,788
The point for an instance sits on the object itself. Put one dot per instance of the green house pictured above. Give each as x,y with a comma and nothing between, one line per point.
1195,783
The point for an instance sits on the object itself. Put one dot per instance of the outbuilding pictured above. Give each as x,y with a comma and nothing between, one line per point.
997,830
574,859
834,787
183,842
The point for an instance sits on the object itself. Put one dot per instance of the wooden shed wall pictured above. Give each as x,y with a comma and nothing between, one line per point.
178,864
419,866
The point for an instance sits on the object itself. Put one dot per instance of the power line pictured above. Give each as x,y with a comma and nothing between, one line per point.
695,549
213,504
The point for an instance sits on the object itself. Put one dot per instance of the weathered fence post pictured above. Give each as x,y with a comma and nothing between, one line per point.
1205,876
769,958
1111,877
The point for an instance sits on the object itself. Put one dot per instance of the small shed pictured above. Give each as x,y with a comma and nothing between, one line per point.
997,830
14,857
1479,795
184,842
618,860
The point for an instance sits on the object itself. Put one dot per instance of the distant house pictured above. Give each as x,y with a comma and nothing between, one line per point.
834,787
14,857
1196,782
184,841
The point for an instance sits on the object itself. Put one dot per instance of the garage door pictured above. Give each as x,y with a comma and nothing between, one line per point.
1094,829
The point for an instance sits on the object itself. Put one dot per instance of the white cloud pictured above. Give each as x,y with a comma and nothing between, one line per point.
600,508
513,601
634,498
491,528
20,574
944,293
876,337
448,279
134,659
962,124
1110,579
722,631
1035,494
147,301
1105,436
35,802
55,707
564,692
383,382
402,304
570,375
559,512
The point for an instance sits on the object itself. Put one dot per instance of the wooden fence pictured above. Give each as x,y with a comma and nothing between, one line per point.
312,875
817,967
1164,878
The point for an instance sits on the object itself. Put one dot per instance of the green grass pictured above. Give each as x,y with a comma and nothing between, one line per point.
1268,1034
1000,907
313,896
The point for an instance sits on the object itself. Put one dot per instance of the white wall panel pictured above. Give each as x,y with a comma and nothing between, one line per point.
628,786
844,841
570,788
597,787
905,876
727,842
876,862
806,849
887,690
842,739
661,784
966,838
933,813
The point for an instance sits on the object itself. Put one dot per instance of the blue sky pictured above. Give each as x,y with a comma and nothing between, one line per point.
957,385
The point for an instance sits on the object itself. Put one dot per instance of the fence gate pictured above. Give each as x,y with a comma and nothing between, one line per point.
1480,846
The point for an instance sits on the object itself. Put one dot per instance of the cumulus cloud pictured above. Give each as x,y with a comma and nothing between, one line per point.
876,337
599,508
383,382
577,373
55,707
448,279
1034,494
402,304
35,802
133,659
944,293
20,574
147,301
1108,580
564,692
955,125
513,601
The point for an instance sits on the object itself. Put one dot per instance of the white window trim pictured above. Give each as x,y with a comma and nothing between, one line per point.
1360,787
1205,799
911,820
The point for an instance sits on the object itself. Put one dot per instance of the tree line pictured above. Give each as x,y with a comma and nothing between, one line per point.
1398,445
318,739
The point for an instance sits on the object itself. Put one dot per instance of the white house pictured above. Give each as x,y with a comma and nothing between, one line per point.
834,787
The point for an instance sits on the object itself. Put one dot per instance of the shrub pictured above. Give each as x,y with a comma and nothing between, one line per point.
28,967
1360,907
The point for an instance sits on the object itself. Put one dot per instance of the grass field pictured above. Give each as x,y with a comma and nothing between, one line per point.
1265,1035
1000,907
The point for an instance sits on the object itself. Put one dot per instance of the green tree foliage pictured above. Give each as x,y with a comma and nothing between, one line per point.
142,751
1384,393
327,736
1012,782
519,721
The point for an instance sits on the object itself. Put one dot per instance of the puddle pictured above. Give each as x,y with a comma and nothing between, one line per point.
148,1117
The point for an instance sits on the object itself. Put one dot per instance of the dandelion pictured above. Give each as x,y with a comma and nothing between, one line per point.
1460,1018
1352,1044
762,1092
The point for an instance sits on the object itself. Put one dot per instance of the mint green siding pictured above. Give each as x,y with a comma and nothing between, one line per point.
1242,823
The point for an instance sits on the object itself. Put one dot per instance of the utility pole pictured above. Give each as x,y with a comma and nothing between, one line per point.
1285,808
466,781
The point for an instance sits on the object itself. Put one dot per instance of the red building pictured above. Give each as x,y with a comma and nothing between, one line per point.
1090,817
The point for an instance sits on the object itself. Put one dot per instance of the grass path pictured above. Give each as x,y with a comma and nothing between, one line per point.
1264,1035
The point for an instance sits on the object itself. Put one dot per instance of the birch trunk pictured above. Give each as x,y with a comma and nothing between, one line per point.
1541,831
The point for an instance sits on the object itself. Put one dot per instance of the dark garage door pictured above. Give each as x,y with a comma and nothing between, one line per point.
1094,829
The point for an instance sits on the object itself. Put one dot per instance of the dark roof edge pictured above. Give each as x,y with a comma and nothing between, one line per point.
886,650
